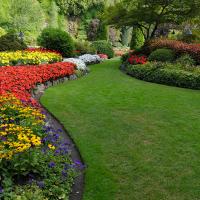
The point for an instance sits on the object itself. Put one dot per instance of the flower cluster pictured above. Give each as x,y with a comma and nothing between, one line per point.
19,80
134,59
28,57
103,56
80,65
90,59
13,110
16,139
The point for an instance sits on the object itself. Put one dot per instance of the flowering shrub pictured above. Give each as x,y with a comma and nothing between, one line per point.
90,59
103,56
134,59
19,80
80,65
28,57
177,46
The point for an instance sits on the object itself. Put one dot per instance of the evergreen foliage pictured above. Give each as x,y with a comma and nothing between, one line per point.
137,39
10,42
58,40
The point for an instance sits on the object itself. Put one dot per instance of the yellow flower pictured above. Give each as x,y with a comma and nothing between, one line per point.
51,146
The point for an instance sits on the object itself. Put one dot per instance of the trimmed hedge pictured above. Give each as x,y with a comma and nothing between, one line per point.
163,55
58,40
173,77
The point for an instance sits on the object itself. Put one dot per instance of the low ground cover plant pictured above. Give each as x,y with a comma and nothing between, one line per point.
90,59
80,65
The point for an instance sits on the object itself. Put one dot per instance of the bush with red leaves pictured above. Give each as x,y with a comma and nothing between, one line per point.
177,46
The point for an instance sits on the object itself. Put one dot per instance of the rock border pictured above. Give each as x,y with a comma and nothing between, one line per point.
79,181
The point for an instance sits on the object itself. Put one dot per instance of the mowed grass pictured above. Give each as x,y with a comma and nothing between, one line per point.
140,141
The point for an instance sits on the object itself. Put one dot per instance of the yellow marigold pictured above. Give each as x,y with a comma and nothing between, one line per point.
16,139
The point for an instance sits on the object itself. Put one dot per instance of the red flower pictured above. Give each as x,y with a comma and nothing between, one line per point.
134,59
21,79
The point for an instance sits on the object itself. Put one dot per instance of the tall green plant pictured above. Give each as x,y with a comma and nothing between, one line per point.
137,39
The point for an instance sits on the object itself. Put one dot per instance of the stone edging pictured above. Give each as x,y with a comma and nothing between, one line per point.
78,187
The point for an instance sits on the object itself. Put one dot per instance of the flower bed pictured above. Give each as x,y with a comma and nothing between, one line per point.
20,80
90,59
29,57
32,153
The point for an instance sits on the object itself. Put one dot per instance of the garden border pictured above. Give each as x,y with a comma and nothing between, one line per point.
79,181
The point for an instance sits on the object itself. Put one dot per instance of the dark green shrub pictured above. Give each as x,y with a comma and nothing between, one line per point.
10,42
125,57
84,47
137,39
164,75
58,40
104,47
163,55
186,60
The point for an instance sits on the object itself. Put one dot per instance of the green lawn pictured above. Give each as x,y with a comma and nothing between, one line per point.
141,141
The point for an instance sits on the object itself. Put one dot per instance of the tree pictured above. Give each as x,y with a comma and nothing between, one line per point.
148,15
76,7
26,15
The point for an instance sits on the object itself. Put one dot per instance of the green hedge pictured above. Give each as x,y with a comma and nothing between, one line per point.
58,40
10,42
163,55
168,76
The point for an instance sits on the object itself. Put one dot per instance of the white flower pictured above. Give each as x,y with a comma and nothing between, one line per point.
80,64
90,59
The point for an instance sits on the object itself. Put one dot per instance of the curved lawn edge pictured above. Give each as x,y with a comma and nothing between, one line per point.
79,181
78,186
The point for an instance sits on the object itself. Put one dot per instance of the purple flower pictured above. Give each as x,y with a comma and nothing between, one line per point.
3,138
52,164
1,190
64,174
40,184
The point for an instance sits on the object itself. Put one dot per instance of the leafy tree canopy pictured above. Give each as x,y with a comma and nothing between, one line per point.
147,15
